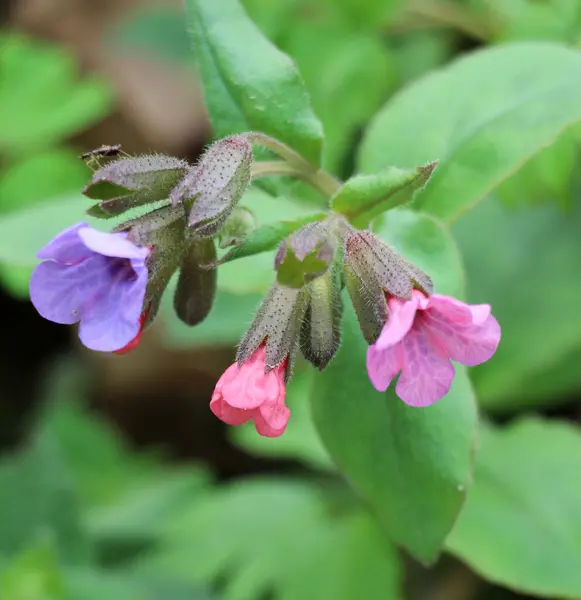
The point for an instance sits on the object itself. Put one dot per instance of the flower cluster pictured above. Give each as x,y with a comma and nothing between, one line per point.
112,284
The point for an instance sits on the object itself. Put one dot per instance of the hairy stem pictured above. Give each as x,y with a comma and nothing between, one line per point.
293,164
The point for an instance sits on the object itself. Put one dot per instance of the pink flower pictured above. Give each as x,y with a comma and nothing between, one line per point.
246,392
419,339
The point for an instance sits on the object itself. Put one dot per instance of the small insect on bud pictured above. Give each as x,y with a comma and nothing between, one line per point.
373,272
131,182
211,190
93,158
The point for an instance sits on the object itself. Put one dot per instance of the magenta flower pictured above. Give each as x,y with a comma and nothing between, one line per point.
420,337
95,278
246,392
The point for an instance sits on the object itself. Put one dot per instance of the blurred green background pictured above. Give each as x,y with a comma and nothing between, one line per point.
116,482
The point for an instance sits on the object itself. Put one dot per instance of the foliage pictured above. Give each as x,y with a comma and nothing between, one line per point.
42,103
375,94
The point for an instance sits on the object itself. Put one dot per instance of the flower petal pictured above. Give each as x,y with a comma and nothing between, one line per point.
112,244
399,321
111,320
427,373
466,343
224,412
458,311
384,365
266,428
252,386
273,415
67,247
60,292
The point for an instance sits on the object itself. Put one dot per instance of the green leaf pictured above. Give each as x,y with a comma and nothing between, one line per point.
547,177
33,574
268,237
300,440
351,78
248,83
41,97
521,525
155,30
427,243
364,197
127,497
370,14
479,134
100,584
37,498
41,176
310,553
535,253
412,464
24,233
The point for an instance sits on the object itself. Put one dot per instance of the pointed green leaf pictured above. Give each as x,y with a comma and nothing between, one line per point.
412,464
521,526
236,535
480,134
365,196
268,237
248,83
534,252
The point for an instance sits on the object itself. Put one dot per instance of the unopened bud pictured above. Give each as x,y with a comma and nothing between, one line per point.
373,270
277,323
196,287
212,188
238,226
163,230
321,328
305,255
131,182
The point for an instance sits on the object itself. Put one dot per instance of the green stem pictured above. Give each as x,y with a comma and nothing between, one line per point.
293,164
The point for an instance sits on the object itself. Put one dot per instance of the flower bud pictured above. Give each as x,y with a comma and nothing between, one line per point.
305,255
238,226
277,324
131,182
196,287
373,270
321,327
162,230
212,188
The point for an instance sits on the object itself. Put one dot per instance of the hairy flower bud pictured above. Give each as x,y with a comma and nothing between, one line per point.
212,188
162,230
305,255
373,270
196,287
321,327
131,182
277,324
238,226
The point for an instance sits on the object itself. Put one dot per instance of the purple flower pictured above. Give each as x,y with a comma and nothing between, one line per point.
95,278
420,337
